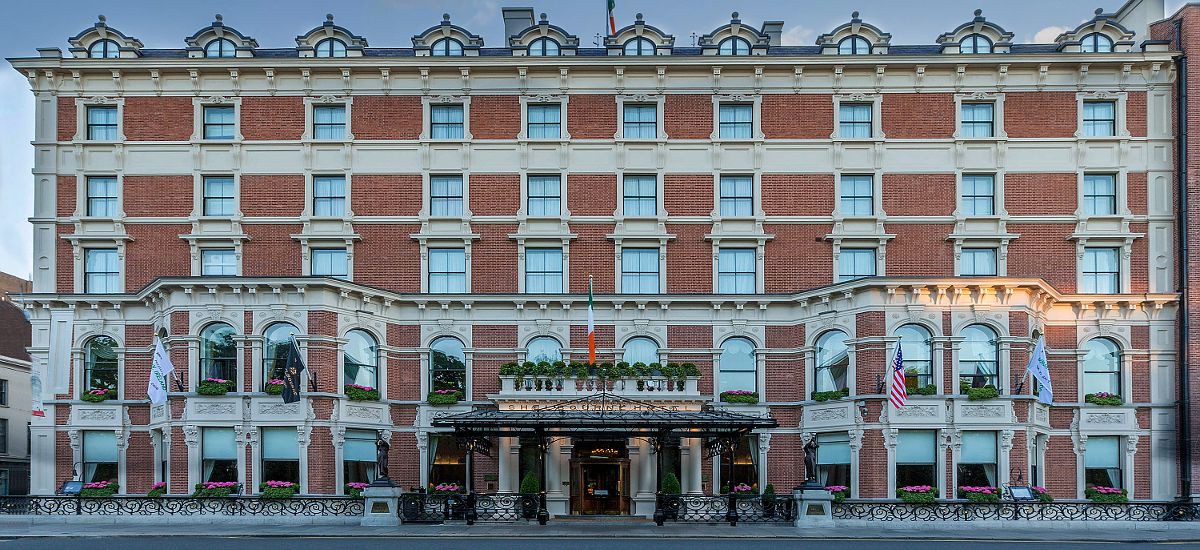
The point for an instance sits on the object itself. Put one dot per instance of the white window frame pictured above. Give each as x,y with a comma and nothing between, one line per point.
659,210
81,117
464,245
310,192
81,264
427,194
997,101
642,245
561,100
755,102
1120,195
658,100
522,251
879,243
347,102
198,105
876,102
237,260
426,116
1121,99
1123,246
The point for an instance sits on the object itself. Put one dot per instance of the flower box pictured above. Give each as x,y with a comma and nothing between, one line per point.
99,489
980,394
355,489
979,494
274,386
158,490
99,395
214,386
840,492
445,489
443,397
917,494
740,396
217,489
927,389
277,490
356,392
1103,398
743,489
1107,495
830,395
1043,495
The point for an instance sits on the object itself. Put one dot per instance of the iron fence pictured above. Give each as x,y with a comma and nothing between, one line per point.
1048,511
180,506
724,509
474,507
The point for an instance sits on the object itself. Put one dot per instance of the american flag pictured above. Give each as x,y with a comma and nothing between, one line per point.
899,394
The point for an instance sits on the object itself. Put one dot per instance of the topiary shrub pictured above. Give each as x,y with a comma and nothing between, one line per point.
530,484
670,484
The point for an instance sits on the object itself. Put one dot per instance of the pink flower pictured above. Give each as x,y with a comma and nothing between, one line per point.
217,380
280,484
159,485
917,489
96,485
357,485
360,387
275,382
836,488
1039,490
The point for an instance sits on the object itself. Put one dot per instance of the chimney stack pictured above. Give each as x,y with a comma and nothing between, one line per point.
773,29
516,20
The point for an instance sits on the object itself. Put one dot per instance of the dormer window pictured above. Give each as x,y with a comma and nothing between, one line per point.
854,45
221,47
734,46
447,47
104,49
975,43
331,47
1096,43
639,46
544,47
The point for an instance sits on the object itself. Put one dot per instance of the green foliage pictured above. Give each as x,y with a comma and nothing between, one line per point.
1106,399
208,387
769,489
274,389
918,498
1096,496
737,396
107,491
670,484
530,484
927,389
215,492
509,369
96,396
830,395
449,397
987,392
267,492
358,393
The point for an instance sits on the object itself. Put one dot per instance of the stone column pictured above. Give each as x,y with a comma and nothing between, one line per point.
506,465
691,479
647,468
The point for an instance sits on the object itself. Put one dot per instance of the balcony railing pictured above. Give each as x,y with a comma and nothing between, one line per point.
1056,511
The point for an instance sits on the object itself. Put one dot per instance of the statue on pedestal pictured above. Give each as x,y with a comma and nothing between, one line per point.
810,462
381,461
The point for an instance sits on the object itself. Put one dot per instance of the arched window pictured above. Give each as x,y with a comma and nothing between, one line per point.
100,364
1102,367
975,43
276,340
833,361
978,358
639,46
448,366
104,49
360,359
331,47
543,47
446,47
854,45
739,367
221,47
543,348
1096,43
640,350
917,345
734,45
218,352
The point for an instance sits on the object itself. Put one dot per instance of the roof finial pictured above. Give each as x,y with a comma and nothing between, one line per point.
734,15
446,17
219,18
1099,11
543,16
854,15
102,18
329,17
978,12
639,17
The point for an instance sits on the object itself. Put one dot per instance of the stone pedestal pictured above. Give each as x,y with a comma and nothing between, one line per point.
381,507
814,508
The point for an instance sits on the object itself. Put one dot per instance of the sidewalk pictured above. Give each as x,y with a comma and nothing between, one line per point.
105,526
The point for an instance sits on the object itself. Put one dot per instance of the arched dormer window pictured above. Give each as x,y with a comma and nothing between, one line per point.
734,45
544,47
854,45
1101,367
975,43
640,350
330,47
360,359
739,367
104,49
218,352
1096,43
221,47
446,47
100,364
639,46
833,362
543,348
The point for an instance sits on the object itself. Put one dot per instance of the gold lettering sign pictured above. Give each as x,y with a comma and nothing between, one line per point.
597,406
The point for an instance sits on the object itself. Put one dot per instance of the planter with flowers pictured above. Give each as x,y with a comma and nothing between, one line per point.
979,494
355,489
99,394
443,397
1042,494
217,489
979,394
839,492
744,397
356,392
214,386
1107,495
830,395
1103,398
741,489
917,494
274,386
99,489
445,489
157,490
277,490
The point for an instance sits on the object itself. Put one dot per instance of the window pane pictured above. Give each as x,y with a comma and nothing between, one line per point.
736,271
446,122
218,262
978,262
544,121
978,197
446,195
543,270
641,195
858,195
329,262
856,263
736,121
544,195
737,196
1099,195
639,270
447,270
978,448
640,121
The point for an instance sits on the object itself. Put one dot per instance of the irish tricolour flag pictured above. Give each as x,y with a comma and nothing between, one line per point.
612,21
591,314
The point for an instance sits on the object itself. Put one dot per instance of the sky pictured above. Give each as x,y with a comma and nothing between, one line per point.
165,23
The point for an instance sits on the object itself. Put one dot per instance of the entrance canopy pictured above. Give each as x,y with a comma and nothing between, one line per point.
607,414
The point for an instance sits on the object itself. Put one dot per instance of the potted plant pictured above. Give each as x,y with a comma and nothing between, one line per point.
746,397
99,489
530,487
1103,398
357,392
840,492
1043,494
670,489
768,501
99,394
277,490
274,386
821,396
157,490
355,489
743,489
979,494
445,489
911,380
214,386
217,489
917,494
1106,495
979,394
927,389
443,397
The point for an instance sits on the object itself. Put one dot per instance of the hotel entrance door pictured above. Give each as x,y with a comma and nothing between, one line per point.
600,478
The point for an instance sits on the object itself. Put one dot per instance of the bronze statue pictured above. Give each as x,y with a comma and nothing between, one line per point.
381,458
810,461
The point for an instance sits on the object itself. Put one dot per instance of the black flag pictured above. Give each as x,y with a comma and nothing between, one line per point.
293,365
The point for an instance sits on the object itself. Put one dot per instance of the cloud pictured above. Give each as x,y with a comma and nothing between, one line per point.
16,183
1048,34
798,36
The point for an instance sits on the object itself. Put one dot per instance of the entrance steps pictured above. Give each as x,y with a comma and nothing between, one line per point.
596,518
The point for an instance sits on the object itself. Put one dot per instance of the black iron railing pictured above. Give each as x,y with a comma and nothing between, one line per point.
474,507
1053,511
724,509
180,506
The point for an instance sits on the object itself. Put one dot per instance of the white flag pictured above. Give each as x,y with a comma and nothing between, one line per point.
160,369
1040,370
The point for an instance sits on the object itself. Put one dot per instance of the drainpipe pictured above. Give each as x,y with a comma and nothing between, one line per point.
1181,155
